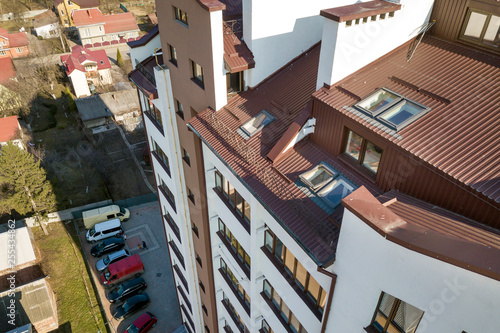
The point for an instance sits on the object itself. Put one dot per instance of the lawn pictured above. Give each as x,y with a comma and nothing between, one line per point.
77,306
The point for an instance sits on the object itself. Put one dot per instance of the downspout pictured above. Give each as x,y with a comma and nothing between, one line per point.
198,297
330,296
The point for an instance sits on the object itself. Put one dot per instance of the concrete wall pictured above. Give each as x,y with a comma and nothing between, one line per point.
453,299
138,54
46,29
344,49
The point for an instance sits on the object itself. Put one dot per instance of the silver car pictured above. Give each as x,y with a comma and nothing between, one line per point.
111,258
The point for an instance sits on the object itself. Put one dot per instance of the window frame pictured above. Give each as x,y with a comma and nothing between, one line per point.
194,77
178,16
362,152
479,41
392,313
173,55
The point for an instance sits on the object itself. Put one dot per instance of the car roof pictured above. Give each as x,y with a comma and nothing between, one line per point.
133,282
143,319
113,240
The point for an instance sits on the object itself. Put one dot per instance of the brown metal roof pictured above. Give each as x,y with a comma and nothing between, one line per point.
144,40
143,75
460,138
211,5
429,230
359,10
237,55
284,95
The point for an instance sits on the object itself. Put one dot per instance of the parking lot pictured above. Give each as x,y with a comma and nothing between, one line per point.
146,225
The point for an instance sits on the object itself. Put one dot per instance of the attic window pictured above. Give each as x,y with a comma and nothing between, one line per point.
256,124
336,190
391,109
318,176
327,186
102,62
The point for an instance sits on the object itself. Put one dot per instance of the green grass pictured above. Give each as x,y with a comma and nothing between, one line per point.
78,310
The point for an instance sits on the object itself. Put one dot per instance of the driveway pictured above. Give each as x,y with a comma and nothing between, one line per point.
145,224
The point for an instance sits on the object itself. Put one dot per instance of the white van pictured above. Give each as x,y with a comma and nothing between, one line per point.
104,230
91,217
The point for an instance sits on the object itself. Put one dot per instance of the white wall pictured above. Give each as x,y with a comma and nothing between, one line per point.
79,82
454,299
220,87
260,264
138,54
277,31
45,30
344,50
23,248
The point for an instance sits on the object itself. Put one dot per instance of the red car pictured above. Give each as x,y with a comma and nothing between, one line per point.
142,324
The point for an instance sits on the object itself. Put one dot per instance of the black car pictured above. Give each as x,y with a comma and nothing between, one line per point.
131,306
107,246
126,289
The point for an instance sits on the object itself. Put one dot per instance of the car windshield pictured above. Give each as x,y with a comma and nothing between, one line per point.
127,306
133,329
91,232
106,260
106,274
100,246
122,210
120,290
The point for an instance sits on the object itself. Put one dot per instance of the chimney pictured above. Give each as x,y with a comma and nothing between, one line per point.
114,96
88,12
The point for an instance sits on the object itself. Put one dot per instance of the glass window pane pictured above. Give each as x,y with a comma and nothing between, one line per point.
229,236
221,226
223,265
226,187
218,181
334,192
354,143
241,253
279,252
247,261
294,323
322,300
276,299
313,289
300,276
267,289
239,204
475,25
247,211
234,244
492,34
378,101
386,304
268,240
401,112
407,317
231,192
285,311
372,157
289,262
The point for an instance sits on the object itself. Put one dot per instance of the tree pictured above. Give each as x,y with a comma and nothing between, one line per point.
119,59
26,183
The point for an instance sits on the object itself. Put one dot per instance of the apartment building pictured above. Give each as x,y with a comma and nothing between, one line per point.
264,146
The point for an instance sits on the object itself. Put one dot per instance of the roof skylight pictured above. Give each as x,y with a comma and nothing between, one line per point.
318,176
391,109
256,124
336,190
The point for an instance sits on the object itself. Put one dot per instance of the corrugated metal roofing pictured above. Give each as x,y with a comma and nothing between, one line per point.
460,138
284,94
237,55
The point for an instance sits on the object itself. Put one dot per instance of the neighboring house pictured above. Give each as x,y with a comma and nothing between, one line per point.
65,8
10,130
84,66
46,25
96,29
13,44
25,254
103,109
330,171
8,99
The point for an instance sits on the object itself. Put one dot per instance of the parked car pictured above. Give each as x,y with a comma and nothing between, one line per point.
131,306
126,289
97,215
122,270
142,324
111,258
107,246
104,230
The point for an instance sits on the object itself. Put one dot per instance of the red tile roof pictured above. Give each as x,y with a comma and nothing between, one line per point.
44,19
79,55
7,70
284,95
112,23
8,128
16,39
237,55
459,138
429,230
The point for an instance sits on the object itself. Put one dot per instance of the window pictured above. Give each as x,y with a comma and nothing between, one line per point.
335,191
234,284
265,327
62,12
234,199
197,74
391,109
202,286
394,315
166,191
172,224
206,327
185,157
234,82
173,54
235,248
234,314
181,16
191,195
69,3
481,27
181,277
87,31
286,315
318,176
198,259
257,123
160,155
19,50
363,151
298,275
2,53
180,109
195,229
177,253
